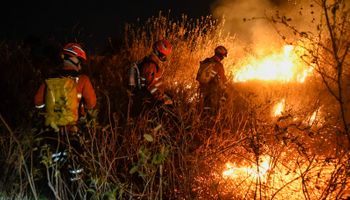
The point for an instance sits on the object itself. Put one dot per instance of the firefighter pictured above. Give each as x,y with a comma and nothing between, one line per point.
212,81
150,92
63,109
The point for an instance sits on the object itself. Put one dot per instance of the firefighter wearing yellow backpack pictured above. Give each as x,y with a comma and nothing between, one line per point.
64,97
212,81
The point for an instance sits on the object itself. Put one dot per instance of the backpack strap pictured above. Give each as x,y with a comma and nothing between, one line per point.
137,70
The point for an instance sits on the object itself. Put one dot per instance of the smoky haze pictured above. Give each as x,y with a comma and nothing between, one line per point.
259,32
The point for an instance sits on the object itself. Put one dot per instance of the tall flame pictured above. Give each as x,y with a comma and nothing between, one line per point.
282,66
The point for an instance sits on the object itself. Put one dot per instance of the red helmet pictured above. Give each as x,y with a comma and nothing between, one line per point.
162,48
74,49
221,51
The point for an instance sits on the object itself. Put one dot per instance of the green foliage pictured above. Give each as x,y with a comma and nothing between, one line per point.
149,160
45,154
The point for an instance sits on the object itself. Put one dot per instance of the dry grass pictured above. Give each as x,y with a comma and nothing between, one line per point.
177,153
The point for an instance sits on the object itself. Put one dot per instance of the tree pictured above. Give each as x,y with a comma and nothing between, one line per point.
326,48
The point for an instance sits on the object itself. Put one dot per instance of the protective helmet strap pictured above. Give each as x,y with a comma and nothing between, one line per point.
160,55
220,56
74,63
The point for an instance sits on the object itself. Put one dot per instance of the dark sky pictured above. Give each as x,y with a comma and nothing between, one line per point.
92,21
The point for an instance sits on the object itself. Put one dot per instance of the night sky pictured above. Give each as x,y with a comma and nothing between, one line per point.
91,21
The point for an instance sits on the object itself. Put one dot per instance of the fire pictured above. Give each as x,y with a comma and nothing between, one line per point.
279,178
315,119
279,108
252,171
283,66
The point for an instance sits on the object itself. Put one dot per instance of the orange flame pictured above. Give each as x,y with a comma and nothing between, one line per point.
282,66
253,171
280,179
316,118
279,108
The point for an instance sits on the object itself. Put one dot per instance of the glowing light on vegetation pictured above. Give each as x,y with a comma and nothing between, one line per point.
312,117
281,66
279,108
278,179
253,171
315,119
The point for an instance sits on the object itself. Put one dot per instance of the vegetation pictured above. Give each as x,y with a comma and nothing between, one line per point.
176,152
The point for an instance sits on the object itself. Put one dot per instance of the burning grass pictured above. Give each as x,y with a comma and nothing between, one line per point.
271,140
283,65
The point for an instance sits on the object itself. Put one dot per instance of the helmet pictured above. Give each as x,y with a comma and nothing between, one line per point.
221,51
74,49
162,48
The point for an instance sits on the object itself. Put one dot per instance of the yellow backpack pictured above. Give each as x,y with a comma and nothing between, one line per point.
61,102
206,72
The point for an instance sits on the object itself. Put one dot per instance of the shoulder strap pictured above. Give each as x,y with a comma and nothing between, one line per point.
136,66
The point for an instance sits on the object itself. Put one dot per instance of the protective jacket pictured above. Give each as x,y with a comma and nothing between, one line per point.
152,90
85,92
219,72
151,74
214,91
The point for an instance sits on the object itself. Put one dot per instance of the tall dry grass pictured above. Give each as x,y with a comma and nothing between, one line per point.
177,152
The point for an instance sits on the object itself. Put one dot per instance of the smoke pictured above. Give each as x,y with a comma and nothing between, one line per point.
260,32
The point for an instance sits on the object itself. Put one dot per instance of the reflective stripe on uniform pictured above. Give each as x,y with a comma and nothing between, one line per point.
79,95
73,52
76,171
40,106
60,156
158,84
213,73
154,90
143,80
76,174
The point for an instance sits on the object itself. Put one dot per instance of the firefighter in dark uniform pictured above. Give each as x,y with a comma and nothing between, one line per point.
212,93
